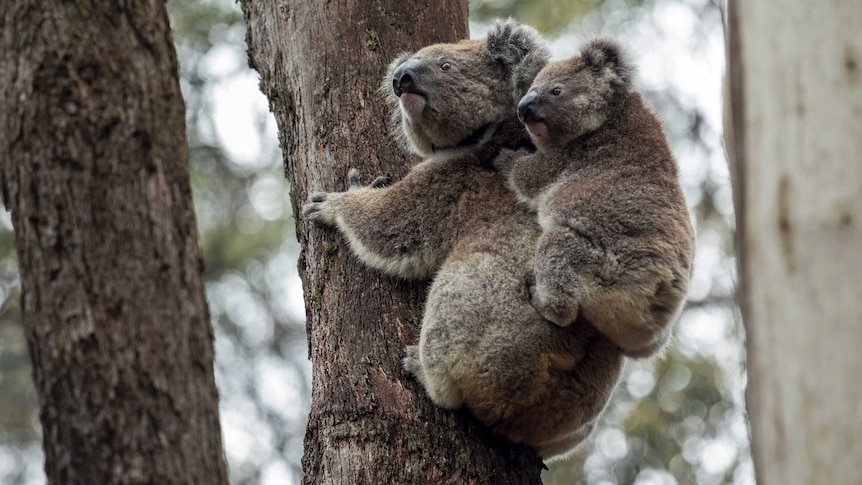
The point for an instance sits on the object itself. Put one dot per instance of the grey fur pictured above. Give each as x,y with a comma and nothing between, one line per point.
452,217
617,242
510,52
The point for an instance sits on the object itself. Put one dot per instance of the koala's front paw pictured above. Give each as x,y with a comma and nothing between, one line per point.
355,181
319,208
504,161
411,363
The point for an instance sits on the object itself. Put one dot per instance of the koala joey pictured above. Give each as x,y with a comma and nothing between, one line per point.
481,345
617,240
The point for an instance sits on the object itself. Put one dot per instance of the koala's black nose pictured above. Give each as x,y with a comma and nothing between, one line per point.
527,109
404,77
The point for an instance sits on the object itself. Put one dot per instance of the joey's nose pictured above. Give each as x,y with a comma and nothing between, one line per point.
404,77
527,109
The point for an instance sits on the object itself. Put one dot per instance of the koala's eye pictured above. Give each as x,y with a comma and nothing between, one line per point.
556,91
445,66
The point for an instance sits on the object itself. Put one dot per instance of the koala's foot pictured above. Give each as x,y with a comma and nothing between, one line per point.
562,311
439,386
411,362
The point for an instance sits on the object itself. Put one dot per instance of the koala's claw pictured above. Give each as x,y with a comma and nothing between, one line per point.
309,211
411,362
381,181
313,210
355,180
530,286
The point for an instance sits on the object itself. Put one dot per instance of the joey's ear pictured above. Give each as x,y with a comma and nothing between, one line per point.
606,53
509,42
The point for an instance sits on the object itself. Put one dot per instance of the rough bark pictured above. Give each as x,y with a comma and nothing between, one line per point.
321,64
795,99
94,171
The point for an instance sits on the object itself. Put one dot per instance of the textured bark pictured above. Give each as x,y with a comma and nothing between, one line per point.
321,64
795,100
94,171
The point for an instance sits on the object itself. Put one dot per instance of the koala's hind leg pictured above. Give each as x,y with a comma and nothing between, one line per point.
435,380
563,279
632,302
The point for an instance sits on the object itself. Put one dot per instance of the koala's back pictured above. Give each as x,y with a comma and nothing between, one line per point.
618,234
527,378
622,184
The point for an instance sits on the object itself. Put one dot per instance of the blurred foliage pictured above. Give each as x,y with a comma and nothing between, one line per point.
675,420
544,15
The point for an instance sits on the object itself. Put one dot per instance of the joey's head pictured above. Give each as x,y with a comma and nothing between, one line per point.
575,96
447,95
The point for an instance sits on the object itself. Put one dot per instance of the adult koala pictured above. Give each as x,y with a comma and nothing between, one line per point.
452,217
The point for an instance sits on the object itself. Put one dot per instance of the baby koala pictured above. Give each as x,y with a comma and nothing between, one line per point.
617,241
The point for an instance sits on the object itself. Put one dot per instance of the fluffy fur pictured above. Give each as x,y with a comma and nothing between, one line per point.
617,241
481,343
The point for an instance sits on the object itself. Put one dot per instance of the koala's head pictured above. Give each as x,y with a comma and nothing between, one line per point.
445,95
573,97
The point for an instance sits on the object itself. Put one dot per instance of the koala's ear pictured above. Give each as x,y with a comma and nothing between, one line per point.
509,42
606,53
525,72
521,50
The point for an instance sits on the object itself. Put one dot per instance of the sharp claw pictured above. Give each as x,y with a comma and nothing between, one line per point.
381,181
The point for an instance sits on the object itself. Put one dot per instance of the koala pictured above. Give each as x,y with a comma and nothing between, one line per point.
617,241
452,217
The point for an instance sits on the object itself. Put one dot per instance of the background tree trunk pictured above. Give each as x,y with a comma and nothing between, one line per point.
92,140
321,64
795,79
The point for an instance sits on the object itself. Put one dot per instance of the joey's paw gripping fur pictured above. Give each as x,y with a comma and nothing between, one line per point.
504,161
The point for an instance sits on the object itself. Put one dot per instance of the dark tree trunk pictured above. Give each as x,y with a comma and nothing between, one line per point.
321,64
94,170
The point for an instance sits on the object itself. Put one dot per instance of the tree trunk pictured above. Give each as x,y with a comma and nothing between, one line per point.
92,140
321,65
795,79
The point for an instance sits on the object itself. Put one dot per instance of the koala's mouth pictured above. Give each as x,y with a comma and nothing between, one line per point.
537,128
412,101
399,90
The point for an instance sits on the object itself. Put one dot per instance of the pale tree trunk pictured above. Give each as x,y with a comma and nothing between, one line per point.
321,64
94,171
795,93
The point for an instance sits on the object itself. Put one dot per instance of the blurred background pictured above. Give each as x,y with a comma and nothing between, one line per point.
676,420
